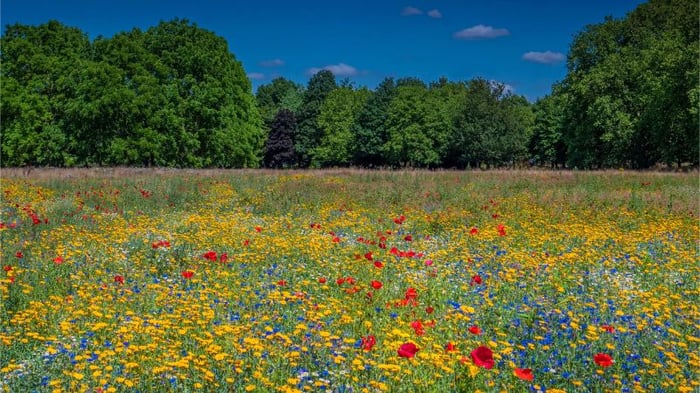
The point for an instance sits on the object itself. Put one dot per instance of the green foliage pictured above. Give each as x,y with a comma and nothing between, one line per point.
630,89
280,94
336,117
309,133
369,129
279,148
171,96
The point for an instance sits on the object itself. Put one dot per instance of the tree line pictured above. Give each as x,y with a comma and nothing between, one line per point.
173,95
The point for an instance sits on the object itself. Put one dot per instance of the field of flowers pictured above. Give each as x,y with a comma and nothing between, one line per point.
349,281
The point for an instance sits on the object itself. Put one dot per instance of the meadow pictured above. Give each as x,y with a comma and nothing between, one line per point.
127,280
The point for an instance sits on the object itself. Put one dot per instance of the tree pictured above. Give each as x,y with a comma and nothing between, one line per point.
36,62
279,148
546,144
369,130
309,133
417,130
280,93
630,88
336,118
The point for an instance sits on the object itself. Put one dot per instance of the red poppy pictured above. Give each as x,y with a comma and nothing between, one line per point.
210,255
603,359
608,328
473,231
429,310
476,280
350,280
418,328
475,330
408,350
322,280
7,268
378,264
187,274
483,357
336,239
223,258
368,342
246,242
408,238
400,220
524,373
258,229
501,230
119,279
376,284
450,347
340,281
281,283
368,256
58,260
19,254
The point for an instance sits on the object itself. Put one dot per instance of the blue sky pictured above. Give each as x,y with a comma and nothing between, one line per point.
519,43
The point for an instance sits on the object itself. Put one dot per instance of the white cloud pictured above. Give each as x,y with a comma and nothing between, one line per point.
497,85
256,75
480,31
272,63
340,69
434,14
409,11
547,57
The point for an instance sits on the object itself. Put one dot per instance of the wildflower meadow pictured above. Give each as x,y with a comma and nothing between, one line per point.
127,280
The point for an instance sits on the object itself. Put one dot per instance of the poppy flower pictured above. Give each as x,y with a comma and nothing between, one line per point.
450,347
187,274
608,328
258,229
418,328
399,220
473,231
19,254
475,330
476,280
524,373
223,258
336,239
281,283
483,357
322,280
501,230
58,260
368,342
429,310
376,284
7,268
603,359
378,264
119,279
408,238
210,255
340,281
408,350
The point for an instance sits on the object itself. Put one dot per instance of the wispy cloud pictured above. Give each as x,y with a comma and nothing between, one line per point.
256,75
435,14
340,69
409,11
547,57
272,63
480,31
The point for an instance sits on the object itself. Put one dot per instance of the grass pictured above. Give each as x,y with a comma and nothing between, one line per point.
167,280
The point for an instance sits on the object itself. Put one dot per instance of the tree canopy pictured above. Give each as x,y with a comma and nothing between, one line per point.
174,95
